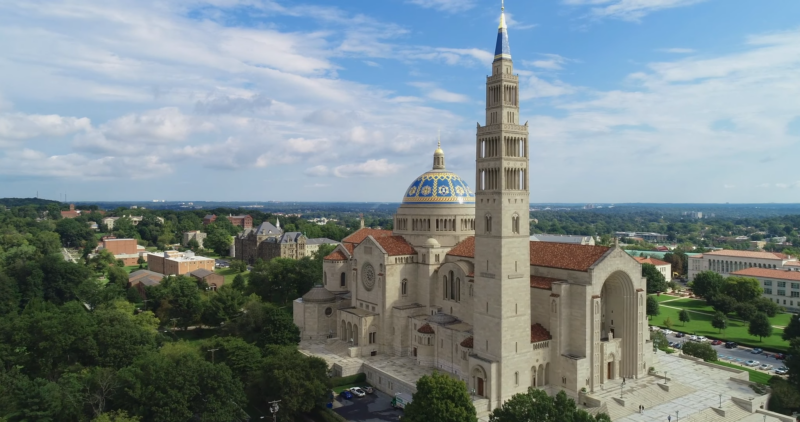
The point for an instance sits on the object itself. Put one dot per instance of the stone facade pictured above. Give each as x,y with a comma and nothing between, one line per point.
194,235
178,263
268,241
458,285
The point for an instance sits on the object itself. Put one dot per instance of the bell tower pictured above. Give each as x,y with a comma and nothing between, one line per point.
502,314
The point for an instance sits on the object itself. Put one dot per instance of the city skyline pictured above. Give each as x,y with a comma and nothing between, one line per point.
657,101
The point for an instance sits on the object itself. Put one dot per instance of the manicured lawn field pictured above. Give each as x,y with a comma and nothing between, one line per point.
692,305
662,298
131,268
755,376
737,330
230,274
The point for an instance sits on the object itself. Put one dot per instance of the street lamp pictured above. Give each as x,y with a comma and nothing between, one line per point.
720,401
621,386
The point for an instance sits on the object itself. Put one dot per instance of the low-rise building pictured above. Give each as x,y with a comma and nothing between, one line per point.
212,279
646,236
312,245
128,250
72,213
563,238
780,286
178,263
243,221
196,235
728,261
663,267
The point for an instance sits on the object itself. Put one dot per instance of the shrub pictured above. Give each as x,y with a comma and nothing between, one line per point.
700,350
352,379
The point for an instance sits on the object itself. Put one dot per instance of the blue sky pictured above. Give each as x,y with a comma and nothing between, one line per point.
253,100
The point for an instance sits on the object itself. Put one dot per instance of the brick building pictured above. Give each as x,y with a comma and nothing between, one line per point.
72,213
178,263
125,249
211,278
243,221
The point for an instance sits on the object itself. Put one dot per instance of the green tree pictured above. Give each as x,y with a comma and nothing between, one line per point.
536,406
767,306
73,232
265,324
219,241
440,398
122,336
178,297
700,350
239,266
784,398
102,261
745,311
792,362
193,244
124,229
743,289
668,323
239,283
652,307
177,384
243,358
655,280
116,416
719,321
760,326
723,303
792,330
223,305
684,316
300,382
707,284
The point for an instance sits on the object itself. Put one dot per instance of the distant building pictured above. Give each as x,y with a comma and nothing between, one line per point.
563,238
665,268
72,213
268,241
178,263
780,286
145,277
646,236
243,221
727,261
93,225
193,235
135,219
312,245
212,279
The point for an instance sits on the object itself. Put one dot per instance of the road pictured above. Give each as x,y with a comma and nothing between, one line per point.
372,408
67,256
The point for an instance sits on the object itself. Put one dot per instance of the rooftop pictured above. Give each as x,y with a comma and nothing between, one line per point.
768,273
362,234
395,245
565,255
546,283
539,333
649,260
748,254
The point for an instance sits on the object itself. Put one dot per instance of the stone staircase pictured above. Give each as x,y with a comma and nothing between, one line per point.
337,347
482,409
732,412
649,395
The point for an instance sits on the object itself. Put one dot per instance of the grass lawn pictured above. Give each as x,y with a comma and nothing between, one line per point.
737,330
230,274
131,268
663,298
755,376
194,336
692,305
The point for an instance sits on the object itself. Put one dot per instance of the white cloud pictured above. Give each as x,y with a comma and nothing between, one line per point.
631,10
512,23
318,171
18,126
677,50
165,124
433,92
550,62
370,168
451,6
29,162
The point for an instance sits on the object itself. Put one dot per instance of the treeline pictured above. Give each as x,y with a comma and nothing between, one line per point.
76,344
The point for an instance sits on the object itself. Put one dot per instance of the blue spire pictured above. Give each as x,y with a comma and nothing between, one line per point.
502,50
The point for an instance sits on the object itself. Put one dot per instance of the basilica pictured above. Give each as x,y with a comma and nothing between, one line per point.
457,285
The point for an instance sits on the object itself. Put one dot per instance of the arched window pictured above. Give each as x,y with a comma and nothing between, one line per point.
343,280
404,287
515,223
488,224
458,290
452,287
445,287
324,278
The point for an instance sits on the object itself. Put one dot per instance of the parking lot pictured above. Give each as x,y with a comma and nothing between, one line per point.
736,356
371,408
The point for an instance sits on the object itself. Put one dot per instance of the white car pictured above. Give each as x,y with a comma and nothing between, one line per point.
752,363
692,338
666,332
358,392
765,367
701,339
654,328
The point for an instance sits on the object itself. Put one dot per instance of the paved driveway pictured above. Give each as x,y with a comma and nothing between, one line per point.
372,408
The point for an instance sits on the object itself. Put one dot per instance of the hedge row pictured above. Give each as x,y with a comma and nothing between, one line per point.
352,379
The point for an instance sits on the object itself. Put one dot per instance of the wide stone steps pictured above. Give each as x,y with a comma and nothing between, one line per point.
732,412
649,396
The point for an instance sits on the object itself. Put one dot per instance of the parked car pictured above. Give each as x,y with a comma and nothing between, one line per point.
358,392
716,342
367,389
702,339
693,338
654,328
779,356
679,345
731,345
346,394
756,351
671,344
781,371
765,367
666,331
752,363
679,335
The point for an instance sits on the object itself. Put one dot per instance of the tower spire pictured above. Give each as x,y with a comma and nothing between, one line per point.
438,155
502,50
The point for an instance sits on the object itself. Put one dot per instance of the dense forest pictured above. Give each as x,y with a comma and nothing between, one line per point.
77,345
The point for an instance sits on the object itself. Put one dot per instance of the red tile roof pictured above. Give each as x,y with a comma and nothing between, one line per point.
336,255
649,260
350,247
362,234
396,245
565,255
768,273
426,329
465,248
538,282
539,333
547,254
468,342
70,214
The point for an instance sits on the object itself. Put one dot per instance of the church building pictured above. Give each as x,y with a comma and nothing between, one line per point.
458,285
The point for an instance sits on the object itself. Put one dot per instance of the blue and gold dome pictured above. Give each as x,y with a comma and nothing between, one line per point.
439,186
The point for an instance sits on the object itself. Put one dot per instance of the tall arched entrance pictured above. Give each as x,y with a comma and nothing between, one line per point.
619,310
480,383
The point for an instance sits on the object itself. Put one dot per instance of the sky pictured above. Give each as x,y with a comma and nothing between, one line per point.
323,100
